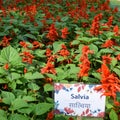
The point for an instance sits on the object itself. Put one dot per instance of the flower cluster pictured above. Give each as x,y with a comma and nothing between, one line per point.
94,30
45,41
85,63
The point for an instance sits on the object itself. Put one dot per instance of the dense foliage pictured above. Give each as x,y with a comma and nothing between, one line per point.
46,41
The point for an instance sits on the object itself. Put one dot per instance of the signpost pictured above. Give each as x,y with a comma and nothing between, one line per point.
80,100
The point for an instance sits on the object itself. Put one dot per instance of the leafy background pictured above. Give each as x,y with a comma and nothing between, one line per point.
42,42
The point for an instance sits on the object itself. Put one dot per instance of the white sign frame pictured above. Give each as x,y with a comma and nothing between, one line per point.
79,100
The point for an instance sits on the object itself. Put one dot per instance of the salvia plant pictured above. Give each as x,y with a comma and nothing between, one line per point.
46,41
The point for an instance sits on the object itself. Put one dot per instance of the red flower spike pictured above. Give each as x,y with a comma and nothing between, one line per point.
49,68
85,65
52,34
106,59
116,30
50,116
6,66
24,44
109,43
5,41
64,33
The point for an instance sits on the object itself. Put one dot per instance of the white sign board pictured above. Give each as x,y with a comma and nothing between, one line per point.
79,100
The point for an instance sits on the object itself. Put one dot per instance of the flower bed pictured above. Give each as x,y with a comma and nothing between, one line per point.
43,42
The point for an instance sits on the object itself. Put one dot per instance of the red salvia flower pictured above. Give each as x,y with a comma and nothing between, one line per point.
49,68
85,63
118,57
52,58
36,45
64,52
25,70
86,50
24,44
115,10
5,41
110,20
94,30
106,59
109,43
48,52
110,82
84,68
27,57
105,6
116,30
50,115
52,35
6,66
5,87
85,24
64,32
49,80
92,9
31,11
70,118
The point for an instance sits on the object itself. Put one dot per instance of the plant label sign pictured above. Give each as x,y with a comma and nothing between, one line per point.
79,100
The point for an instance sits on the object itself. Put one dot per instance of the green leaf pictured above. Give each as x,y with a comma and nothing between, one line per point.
51,76
75,42
8,97
92,80
87,40
15,75
109,106
42,108
3,81
80,47
117,48
64,18
20,37
3,115
2,34
40,53
8,28
106,51
29,98
10,55
96,75
33,86
2,71
12,85
35,75
118,96
117,71
109,35
113,63
49,99
113,115
48,87
18,117
30,36
73,69
57,46
28,109
94,48
59,117
18,103
16,30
